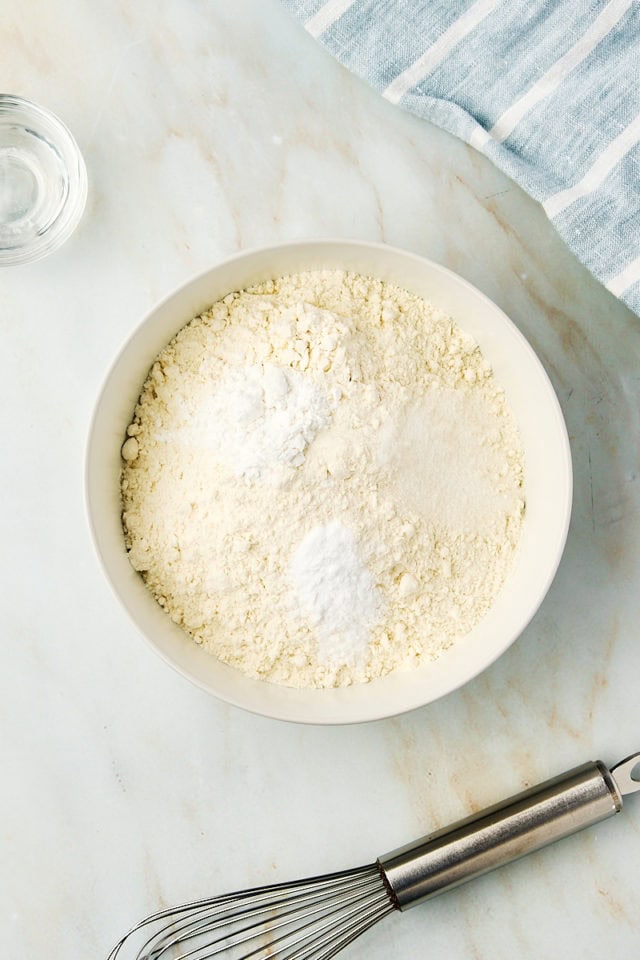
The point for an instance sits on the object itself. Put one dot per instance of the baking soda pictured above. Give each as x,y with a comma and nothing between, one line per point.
335,590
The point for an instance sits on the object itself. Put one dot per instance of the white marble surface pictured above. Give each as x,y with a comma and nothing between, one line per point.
209,127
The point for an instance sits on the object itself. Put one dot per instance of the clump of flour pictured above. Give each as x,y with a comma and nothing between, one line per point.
322,480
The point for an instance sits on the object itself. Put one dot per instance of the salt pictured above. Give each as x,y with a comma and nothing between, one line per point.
447,464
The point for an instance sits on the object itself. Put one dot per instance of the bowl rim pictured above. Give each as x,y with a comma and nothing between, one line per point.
285,712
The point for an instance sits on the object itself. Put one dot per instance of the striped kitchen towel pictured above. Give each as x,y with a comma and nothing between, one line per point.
549,90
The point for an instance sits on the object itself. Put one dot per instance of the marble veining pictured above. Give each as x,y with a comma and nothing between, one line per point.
209,128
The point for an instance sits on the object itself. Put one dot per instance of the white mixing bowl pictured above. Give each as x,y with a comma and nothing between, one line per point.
547,465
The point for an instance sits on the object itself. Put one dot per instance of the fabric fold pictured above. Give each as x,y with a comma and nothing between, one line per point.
548,91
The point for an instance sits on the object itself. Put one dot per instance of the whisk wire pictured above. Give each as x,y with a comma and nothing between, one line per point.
309,919
302,937
329,935
304,914
352,935
202,921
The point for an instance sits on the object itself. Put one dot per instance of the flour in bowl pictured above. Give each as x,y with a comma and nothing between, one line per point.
322,481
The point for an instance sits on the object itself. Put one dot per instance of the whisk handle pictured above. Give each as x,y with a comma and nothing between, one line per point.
502,833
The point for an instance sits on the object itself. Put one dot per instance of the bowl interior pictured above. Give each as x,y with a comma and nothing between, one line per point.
547,466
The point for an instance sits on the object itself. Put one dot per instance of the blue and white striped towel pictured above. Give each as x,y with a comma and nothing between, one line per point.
549,90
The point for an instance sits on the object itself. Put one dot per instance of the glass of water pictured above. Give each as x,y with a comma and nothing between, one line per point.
43,181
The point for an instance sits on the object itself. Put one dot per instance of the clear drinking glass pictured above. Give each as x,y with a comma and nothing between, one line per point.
43,181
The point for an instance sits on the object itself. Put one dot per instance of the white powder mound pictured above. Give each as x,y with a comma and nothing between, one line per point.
322,480
257,421
336,591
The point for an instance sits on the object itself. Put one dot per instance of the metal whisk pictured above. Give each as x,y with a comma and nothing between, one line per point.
314,919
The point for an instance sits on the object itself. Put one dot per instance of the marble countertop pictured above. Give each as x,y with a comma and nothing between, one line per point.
207,128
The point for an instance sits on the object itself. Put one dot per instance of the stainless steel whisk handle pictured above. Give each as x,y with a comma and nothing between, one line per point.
507,831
